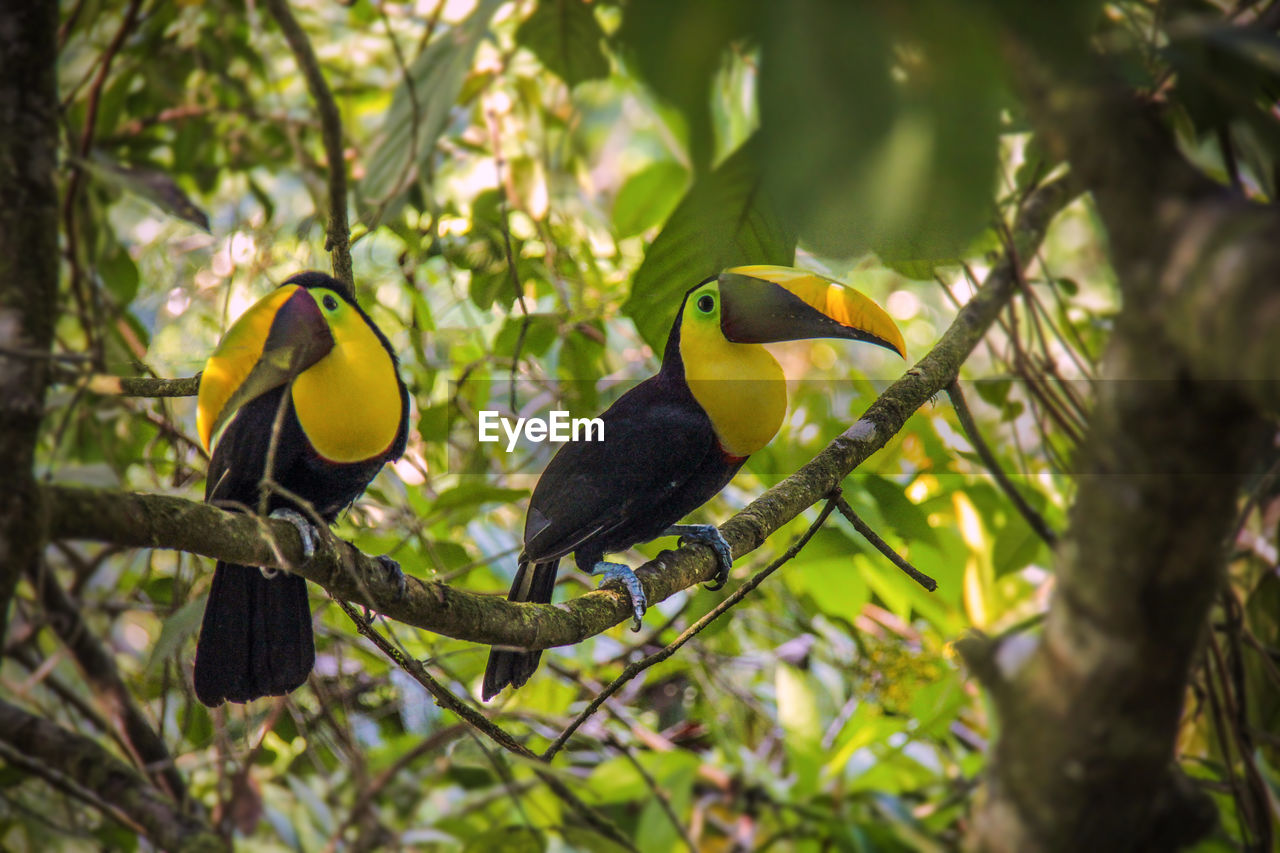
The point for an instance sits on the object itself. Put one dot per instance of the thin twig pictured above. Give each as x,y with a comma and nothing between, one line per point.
69,786
239,780
368,793
82,767
267,485
1033,518
411,88
443,696
499,165
142,386
45,355
1236,700
48,680
446,699
692,631
505,776
143,744
664,800
1239,790
883,546
85,293
338,234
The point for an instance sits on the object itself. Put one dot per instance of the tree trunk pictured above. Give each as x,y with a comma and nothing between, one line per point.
28,269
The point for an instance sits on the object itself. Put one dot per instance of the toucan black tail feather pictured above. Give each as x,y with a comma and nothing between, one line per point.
533,582
255,639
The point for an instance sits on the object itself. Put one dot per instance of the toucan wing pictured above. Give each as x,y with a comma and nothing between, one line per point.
654,442
239,456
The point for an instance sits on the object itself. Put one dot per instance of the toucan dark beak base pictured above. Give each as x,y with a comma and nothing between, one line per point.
278,338
755,310
299,334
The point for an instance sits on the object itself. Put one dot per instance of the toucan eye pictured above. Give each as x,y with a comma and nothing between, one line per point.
706,303
330,303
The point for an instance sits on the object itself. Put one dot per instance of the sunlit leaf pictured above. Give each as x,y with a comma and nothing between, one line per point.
419,111
677,48
1017,545
868,150
648,197
724,220
474,494
565,36
905,517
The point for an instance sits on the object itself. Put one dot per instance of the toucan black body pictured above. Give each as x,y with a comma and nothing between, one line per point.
675,440
256,637
602,497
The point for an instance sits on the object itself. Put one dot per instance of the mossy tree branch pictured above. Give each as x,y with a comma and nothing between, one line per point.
142,386
156,521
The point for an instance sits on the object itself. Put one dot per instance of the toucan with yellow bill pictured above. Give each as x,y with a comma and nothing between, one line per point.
308,358
676,439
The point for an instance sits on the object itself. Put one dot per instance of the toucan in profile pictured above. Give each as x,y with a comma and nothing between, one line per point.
309,353
676,439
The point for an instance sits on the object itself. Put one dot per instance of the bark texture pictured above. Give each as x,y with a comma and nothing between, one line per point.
28,270
1089,711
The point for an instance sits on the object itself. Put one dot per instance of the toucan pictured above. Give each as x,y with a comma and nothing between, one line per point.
307,357
676,439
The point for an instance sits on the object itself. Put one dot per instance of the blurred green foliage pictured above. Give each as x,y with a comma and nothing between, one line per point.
535,185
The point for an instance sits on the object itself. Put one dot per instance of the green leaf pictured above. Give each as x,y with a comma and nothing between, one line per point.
1068,286
885,137
148,184
580,362
1017,545
994,391
506,839
616,780
197,725
486,287
475,494
540,332
798,714
985,244
834,584
904,516
724,220
119,274
565,36
797,703
1037,163
916,270
678,47
321,814
648,197
114,837
184,623
656,831
419,112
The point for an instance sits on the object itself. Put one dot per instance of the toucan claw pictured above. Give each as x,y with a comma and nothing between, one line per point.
709,535
394,575
623,575
306,531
